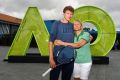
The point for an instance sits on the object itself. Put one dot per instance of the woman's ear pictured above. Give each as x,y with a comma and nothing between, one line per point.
81,27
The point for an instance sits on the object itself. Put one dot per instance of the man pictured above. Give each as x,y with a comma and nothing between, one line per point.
61,30
83,61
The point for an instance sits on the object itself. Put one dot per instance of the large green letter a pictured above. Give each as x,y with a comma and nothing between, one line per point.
31,25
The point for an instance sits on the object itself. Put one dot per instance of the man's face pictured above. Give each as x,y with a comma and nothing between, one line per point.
77,26
67,15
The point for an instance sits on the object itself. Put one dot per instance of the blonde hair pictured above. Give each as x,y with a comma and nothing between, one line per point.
79,22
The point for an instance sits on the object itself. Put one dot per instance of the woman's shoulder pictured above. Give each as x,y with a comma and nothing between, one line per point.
86,33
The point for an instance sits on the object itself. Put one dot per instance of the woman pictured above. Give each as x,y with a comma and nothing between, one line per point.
83,61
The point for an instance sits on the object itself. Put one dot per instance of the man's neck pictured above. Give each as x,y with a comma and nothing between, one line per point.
64,20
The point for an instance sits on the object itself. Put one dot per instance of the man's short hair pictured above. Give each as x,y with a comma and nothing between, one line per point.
70,8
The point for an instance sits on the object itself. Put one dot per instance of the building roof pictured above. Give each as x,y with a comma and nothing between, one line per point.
10,19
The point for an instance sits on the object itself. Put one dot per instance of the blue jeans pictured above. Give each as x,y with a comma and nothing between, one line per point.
67,70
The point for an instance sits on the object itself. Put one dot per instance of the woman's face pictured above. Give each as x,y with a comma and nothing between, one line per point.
77,26
67,15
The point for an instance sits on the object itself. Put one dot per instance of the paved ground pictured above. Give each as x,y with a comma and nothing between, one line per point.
33,71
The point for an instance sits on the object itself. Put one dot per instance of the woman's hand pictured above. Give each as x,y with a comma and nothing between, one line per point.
59,42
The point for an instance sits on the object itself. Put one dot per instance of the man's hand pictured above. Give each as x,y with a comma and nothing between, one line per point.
52,63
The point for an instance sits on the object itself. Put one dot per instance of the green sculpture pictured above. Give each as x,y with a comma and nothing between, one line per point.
105,27
31,25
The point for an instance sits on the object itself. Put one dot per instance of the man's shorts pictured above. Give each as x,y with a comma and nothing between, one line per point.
81,70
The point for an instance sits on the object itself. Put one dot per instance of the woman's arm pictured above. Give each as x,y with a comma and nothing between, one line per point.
75,45
91,38
79,44
60,43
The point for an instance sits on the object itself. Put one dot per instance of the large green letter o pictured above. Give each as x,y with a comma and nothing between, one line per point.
105,27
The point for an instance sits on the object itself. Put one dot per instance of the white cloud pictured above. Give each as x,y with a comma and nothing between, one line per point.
116,17
52,9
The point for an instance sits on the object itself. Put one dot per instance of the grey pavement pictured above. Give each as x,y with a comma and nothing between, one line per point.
33,71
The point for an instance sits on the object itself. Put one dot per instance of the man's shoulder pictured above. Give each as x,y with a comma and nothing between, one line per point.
70,23
86,33
56,22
